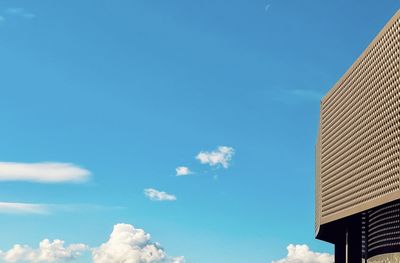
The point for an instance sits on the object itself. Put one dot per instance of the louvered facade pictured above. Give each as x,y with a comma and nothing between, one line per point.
358,152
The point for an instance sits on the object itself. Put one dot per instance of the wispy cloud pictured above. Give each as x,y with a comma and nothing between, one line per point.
156,195
303,254
48,209
2,18
81,208
305,94
20,12
219,157
267,7
182,171
23,208
43,172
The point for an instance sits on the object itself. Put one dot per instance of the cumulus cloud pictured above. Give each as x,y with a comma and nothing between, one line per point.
47,251
156,195
126,244
131,245
303,254
182,171
23,208
43,172
220,157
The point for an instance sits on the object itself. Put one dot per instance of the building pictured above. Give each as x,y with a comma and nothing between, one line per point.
358,156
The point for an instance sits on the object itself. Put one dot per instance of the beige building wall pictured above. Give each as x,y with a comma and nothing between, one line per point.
358,147
387,258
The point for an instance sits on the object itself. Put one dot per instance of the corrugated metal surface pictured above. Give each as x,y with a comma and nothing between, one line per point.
359,149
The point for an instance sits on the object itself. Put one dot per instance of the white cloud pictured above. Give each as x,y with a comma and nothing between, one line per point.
16,11
156,195
131,245
47,252
180,259
43,172
22,208
79,208
303,254
47,209
182,171
126,244
222,156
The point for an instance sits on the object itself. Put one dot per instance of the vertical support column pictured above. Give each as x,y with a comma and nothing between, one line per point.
354,240
340,248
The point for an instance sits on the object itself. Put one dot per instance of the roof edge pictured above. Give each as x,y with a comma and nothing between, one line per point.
336,86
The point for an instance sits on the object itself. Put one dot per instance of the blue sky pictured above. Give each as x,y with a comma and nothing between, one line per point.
127,91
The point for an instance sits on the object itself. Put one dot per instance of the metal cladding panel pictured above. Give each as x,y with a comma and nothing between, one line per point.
318,185
358,165
383,234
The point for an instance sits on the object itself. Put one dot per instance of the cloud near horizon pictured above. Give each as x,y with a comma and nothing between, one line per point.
125,244
47,251
220,157
46,172
303,254
131,245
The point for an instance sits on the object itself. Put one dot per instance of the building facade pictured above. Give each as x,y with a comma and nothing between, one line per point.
358,156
